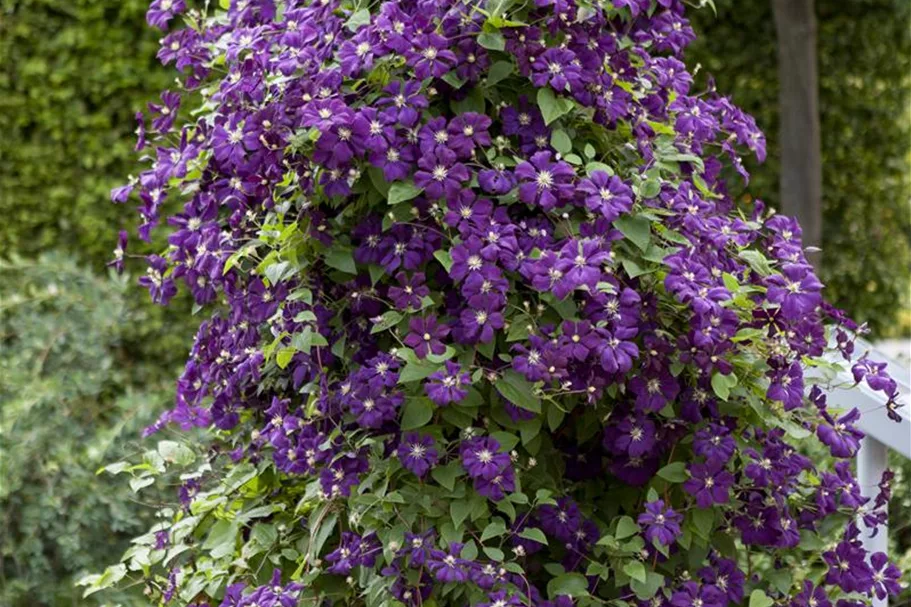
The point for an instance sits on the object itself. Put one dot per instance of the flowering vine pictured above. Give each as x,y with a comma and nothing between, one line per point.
487,326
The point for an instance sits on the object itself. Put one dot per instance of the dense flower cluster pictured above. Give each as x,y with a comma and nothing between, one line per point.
483,300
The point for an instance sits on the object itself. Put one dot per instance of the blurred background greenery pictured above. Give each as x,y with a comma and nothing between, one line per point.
86,361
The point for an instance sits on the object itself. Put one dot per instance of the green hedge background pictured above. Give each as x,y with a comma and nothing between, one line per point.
864,53
87,361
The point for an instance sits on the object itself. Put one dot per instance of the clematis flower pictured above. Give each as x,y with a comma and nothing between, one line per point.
544,183
448,386
425,336
418,453
661,524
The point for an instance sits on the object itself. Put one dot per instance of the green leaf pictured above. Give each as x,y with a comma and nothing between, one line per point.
561,141
674,472
647,590
341,258
626,527
473,102
221,538
284,356
517,390
757,261
401,191
496,528
635,228
758,598
507,440
459,510
650,188
569,584
534,534
493,41
722,384
499,71
636,570
386,321
418,411
552,107
447,475
703,520
358,19
178,453
416,371
445,259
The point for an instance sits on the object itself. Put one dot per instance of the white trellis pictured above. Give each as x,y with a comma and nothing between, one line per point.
881,432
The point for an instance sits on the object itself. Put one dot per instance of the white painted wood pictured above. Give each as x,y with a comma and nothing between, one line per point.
871,463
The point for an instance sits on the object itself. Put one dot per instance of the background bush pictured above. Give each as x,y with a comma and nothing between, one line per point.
70,404
864,51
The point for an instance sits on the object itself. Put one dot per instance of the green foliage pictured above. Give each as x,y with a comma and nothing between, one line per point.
66,409
73,73
864,50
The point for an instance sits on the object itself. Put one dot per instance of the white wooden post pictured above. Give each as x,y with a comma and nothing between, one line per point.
871,463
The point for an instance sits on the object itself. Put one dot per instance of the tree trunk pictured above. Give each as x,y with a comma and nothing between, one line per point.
801,161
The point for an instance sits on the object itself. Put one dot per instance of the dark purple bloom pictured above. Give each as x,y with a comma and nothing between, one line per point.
448,386
661,524
606,195
558,68
418,453
709,484
787,386
842,438
425,336
162,11
481,457
544,183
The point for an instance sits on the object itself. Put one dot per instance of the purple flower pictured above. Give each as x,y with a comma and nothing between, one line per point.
709,484
560,520
353,551
654,391
616,354
161,287
481,320
481,457
634,436
497,487
558,68
661,524
886,576
796,289
119,252
691,594
606,195
448,386
430,56
544,183
440,174
410,292
787,386
842,438
166,112
162,11
467,131
418,453
449,567
425,336
811,596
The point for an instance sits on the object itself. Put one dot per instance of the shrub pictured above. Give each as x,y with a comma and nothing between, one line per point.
486,326
66,410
